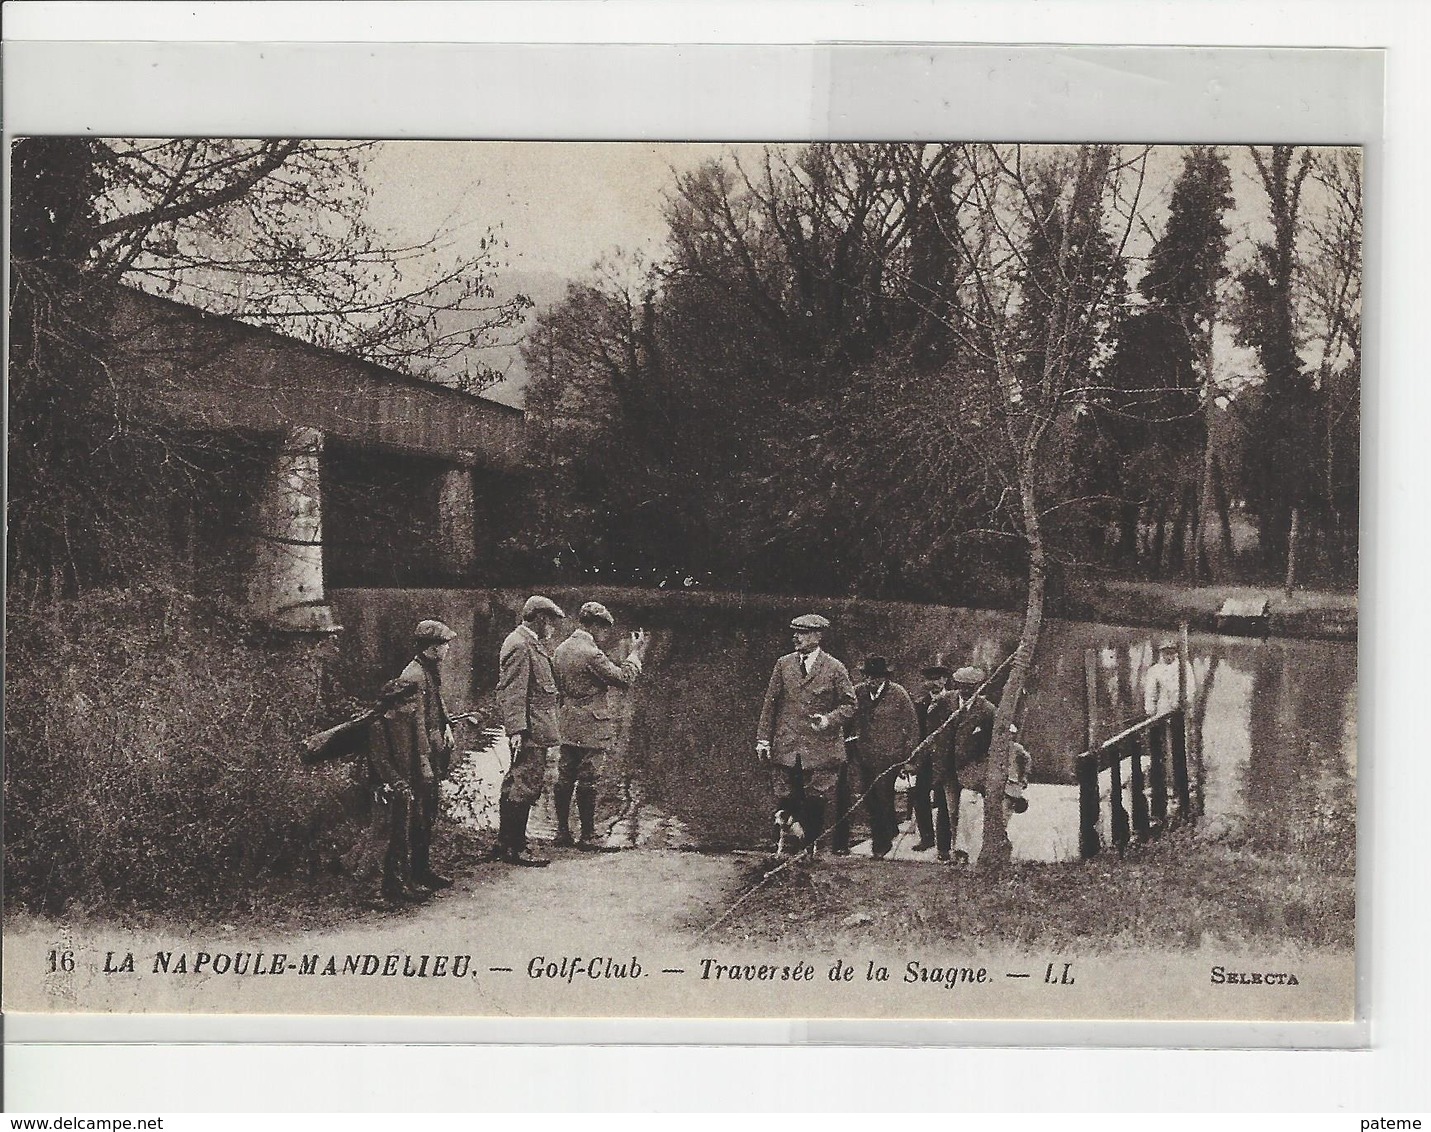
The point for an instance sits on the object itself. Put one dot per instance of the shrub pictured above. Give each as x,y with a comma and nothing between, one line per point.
150,755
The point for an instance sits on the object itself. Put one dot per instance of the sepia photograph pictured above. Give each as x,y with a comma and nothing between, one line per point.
549,579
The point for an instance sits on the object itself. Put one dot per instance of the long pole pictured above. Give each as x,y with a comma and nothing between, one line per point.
1192,740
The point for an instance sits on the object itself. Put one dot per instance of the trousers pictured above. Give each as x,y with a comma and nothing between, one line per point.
810,794
877,785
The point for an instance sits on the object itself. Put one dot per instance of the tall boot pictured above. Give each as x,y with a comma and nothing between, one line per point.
563,811
519,852
812,817
586,807
506,823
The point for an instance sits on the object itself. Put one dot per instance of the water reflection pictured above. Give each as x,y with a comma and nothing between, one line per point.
1273,722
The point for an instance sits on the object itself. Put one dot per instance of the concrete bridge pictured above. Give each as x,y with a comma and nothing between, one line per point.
322,468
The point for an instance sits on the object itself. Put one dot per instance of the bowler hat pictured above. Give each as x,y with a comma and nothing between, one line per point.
538,604
875,666
433,632
810,623
970,675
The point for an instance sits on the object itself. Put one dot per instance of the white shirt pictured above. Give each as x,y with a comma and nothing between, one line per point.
1160,687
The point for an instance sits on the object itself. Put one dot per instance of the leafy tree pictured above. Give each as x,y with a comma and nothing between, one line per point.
1281,480
1166,405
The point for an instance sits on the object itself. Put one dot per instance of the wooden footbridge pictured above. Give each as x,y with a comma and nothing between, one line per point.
1151,756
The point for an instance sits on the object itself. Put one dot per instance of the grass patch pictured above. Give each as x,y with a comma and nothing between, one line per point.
1174,893
151,762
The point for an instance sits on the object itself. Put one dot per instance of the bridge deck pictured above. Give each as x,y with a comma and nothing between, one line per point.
212,372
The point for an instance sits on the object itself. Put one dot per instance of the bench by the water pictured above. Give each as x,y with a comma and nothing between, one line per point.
1247,616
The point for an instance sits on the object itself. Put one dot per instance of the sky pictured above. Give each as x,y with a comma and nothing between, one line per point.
561,205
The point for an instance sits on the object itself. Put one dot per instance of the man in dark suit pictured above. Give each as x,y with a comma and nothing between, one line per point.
808,702
931,709
586,676
887,729
527,700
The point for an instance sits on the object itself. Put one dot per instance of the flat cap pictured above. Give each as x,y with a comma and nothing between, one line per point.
595,611
430,630
1168,643
810,623
395,691
538,604
970,674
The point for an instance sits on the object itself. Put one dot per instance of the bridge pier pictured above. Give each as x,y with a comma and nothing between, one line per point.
285,584
456,546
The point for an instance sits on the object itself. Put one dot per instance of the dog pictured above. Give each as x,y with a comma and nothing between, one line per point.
787,827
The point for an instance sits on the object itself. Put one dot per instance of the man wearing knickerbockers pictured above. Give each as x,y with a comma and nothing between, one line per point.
527,699
808,702
586,676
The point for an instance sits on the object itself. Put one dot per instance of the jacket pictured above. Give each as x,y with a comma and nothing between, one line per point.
792,698
527,688
931,711
887,727
433,713
586,676
396,753
972,734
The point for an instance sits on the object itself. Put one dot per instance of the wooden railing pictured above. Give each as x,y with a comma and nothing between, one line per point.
1163,740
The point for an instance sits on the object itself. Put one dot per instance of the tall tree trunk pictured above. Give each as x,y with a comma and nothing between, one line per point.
1208,547
1160,539
1224,507
1177,546
996,851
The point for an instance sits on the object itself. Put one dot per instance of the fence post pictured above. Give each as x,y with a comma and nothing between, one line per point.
1134,746
1088,802
1192,740
1118,816
1087,767
1158,770
1180,767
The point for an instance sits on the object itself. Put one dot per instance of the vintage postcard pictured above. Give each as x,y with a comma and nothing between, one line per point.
867,580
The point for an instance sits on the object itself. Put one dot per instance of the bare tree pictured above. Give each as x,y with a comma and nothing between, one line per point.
1042,237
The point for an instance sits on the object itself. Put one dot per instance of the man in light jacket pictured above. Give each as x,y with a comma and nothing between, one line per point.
808,702
527,700
587,721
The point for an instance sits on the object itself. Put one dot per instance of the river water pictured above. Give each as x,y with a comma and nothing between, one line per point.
1274,720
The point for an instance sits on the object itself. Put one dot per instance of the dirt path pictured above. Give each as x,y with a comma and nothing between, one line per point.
652,896
649,903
